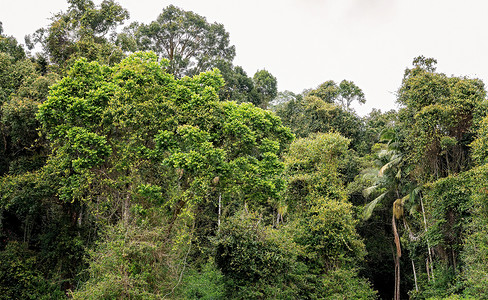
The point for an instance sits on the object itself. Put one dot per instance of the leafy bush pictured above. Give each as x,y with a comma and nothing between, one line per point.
20,277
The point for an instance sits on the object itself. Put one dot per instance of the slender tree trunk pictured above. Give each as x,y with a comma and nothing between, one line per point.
126,209
26,225
4,139
397,259
397,238
414,275
454,264
220,209
80,216
427,240
397,278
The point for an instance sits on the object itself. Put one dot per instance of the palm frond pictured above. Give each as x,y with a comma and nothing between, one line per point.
368,209
369,190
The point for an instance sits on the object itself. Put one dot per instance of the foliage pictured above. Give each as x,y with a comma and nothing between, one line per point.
343,94
328,234
131,262
311,166
186,39
320,110
238,86
81,31
447,203
130,141
441,112
141,177
317,197
29,214
475,244
255,260
387,173
349,92
266,86
266,262
112,118
206,284
22,89
9,46
453,297
13,75
345,284
20,277
327,91
480,144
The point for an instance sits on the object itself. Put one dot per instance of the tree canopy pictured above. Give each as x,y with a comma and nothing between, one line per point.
141,163
186,39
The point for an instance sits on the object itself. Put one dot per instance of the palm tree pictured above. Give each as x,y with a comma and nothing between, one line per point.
386,178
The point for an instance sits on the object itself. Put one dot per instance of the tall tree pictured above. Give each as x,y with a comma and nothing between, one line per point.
266,86
388,186
440,112
317,201
327,91
343,94
82,31
9,45
186,39
349,92
22,88
238,86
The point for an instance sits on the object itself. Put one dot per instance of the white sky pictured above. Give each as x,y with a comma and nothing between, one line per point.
306,42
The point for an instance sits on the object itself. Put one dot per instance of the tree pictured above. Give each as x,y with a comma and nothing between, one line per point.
257,261
475,245
132,261
9,45
457,216
349,92
312,169
480,144
22,88
186,39
327,91
343,94
440,112
238,86
133,144
81,31
13,75
389,185
321,110
266,86
20,277
425,162
317,204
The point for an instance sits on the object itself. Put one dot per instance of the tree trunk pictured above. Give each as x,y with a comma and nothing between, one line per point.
220,208
414,275
397,278
427,240
397,259
125,213
80,216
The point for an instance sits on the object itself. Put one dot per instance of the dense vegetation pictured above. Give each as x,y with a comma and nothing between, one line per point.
140,163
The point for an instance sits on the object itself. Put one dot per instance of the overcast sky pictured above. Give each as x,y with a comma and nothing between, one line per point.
306,42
